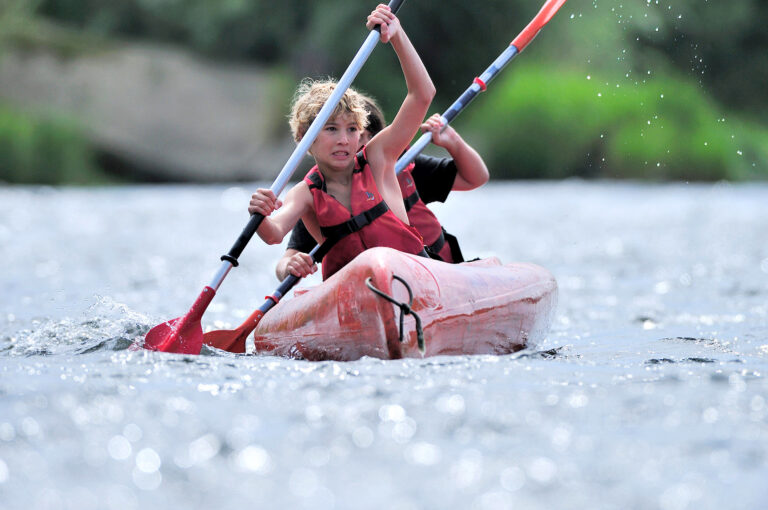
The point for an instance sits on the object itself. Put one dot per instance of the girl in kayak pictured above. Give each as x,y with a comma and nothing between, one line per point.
351,200
426,180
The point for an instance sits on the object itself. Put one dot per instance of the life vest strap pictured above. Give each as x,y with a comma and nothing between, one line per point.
317,181
336,233
445,238
361,162
435,247
411,200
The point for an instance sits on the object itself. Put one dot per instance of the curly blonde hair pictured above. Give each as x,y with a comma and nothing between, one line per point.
310,98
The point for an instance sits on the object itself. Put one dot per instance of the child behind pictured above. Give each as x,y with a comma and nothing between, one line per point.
352,200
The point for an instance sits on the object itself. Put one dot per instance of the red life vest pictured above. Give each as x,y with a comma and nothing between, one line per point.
370,223
422,218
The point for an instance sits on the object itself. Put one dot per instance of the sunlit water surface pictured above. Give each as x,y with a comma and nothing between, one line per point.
650,391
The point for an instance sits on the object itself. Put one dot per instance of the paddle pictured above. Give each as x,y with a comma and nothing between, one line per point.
185,334
234,340
479,84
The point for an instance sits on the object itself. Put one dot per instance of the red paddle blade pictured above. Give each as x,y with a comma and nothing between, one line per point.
183,335
179,335
542,18
233,340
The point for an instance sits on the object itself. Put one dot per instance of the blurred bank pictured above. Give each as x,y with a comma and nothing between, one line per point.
93,91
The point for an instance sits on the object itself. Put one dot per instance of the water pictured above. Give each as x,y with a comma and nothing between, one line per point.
649,393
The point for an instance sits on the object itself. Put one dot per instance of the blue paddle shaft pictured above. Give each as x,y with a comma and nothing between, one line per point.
478,85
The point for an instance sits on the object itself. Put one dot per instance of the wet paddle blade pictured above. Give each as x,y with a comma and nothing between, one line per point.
179,335
183,335
233,340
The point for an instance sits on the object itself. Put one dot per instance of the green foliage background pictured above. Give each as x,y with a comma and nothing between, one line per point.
48,151
646,90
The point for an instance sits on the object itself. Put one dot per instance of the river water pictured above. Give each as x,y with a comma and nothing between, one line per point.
650,392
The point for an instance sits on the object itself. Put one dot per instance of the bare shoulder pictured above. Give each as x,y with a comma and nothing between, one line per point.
299,193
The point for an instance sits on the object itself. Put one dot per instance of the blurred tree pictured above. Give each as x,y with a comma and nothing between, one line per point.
702,57
719,42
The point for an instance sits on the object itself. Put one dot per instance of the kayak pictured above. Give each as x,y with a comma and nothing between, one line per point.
479,307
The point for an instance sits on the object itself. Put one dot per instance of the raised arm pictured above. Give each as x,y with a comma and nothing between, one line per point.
393,139
471,171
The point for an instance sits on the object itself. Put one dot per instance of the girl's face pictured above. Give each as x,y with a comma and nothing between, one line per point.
336,145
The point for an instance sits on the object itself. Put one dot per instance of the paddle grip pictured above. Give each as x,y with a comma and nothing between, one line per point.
394,6
243,239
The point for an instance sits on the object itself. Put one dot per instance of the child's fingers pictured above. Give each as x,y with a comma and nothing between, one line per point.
263,202
301,265
376,19
383,16
384,32
429,125
433,124
258,208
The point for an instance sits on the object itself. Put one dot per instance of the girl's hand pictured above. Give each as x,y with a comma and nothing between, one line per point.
384,17
301,265
440,137
263,202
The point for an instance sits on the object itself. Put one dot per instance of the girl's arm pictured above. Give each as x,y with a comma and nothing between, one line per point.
274,227
471,170
392,140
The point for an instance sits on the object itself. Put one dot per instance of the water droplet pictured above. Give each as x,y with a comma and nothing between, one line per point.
119,448
662,287
392,412
542,470
424,453
362,437
148,461
253,458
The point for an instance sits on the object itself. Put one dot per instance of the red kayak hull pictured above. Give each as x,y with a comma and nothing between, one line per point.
480,307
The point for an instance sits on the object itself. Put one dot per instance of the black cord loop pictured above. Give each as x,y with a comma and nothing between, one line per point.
405,309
